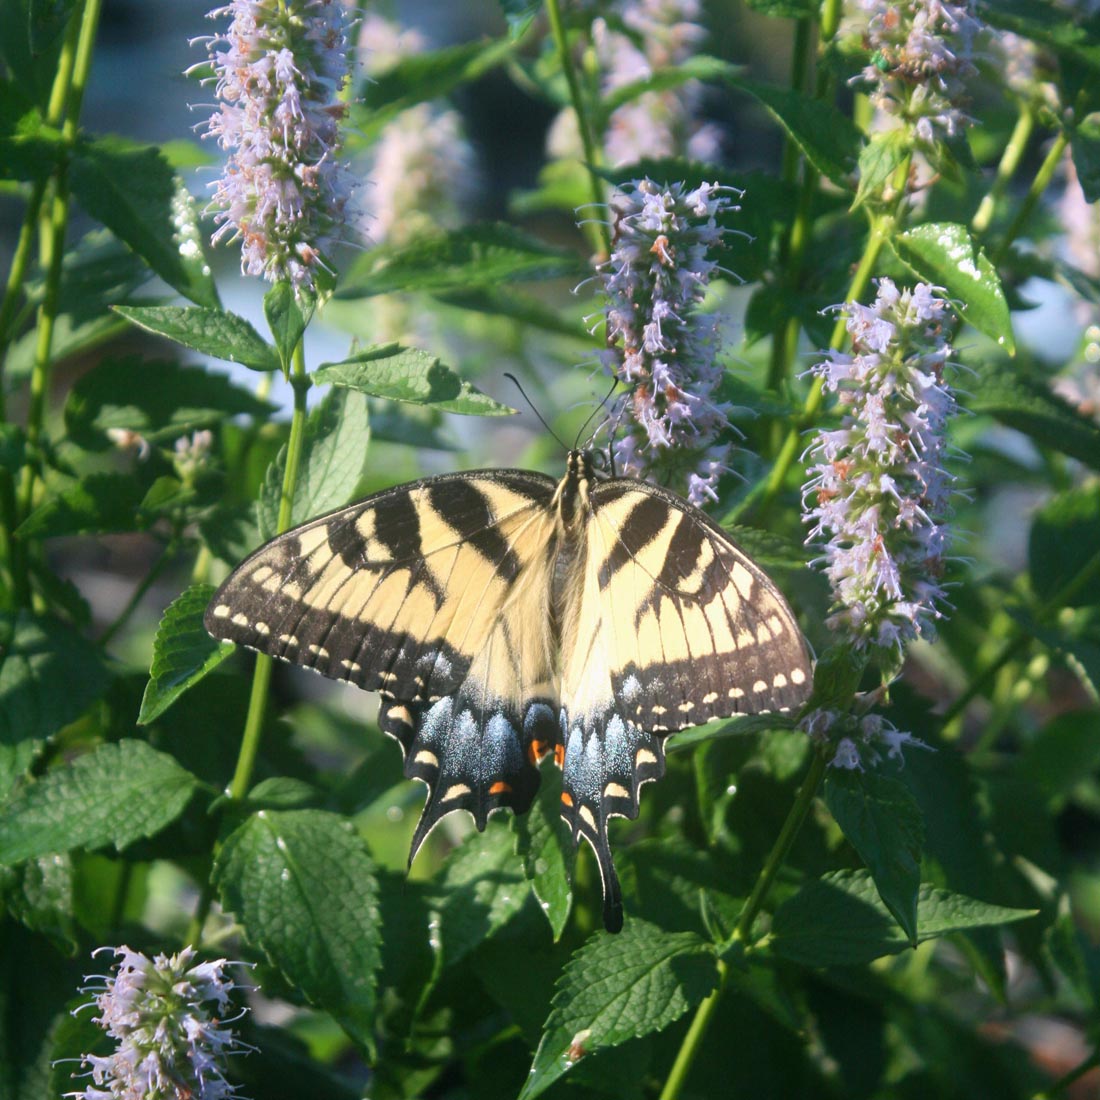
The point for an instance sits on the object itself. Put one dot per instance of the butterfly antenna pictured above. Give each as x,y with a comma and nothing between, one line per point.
598,408
531,405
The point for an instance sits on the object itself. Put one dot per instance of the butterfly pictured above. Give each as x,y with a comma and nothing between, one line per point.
503,616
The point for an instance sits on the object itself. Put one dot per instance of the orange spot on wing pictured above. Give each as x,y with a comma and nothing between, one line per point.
535,751
567,798
500,787
559,755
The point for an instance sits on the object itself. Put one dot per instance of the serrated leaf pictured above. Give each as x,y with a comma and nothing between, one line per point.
482,887
620,987
485,255
1029,406
133,191
214,332
720,728
302,883
882,821
159,399
829,140
333,458
40,896
840,920
417,377
114,795
944,255
36,655
94,504
1064,538
546,849
183,652
288,313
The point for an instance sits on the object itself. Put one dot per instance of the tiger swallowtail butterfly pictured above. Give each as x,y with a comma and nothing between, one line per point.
503,616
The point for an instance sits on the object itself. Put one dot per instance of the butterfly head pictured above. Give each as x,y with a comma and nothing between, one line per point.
571,498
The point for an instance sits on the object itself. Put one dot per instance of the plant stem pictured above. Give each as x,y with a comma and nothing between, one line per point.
1058,1088
261,677
597,230
65,101
782,846
1019,642
1035,192
155,571
1006,169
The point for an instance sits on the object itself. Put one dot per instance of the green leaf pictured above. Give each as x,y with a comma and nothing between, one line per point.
740,726
303,885
161,400
29,149
214,332
840,920
31,35
288,312
1065,537
398,373
699,67
520,14
878,160
882,821
482,889
36,655
133,191
96,503
485,255
786,9
548,854
620,987
945,255
39,895
1029,406
333,458
1062,757
183,652
828,139
114,795
430,74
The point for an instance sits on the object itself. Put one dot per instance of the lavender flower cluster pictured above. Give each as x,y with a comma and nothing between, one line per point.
657,34
921,57
170,1043
284,192
660,345
879,491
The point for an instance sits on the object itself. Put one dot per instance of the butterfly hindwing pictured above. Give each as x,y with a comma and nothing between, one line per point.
669,625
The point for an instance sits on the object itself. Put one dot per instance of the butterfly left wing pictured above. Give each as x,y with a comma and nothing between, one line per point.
670,625
435,594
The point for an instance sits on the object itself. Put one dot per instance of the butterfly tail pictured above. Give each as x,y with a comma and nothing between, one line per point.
604,764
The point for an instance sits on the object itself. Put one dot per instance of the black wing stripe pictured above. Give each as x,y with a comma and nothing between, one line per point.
642,525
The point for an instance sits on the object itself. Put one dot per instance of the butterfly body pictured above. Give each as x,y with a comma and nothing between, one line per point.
503,616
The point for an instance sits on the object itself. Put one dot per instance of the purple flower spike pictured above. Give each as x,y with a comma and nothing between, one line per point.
279,68
878,493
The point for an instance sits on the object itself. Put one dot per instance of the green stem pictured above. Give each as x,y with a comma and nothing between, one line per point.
1035,192
261,677
71,95
17,276
138,594
597,230
831,14
1006,169
1058,1088
1019,642
705,1012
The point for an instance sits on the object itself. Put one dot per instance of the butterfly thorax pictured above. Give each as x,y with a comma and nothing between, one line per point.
570,502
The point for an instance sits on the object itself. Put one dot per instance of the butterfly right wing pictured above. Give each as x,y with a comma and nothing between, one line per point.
433,594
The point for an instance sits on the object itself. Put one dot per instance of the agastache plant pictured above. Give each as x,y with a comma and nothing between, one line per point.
278,70
921,56
878,492
661,346
166,1016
